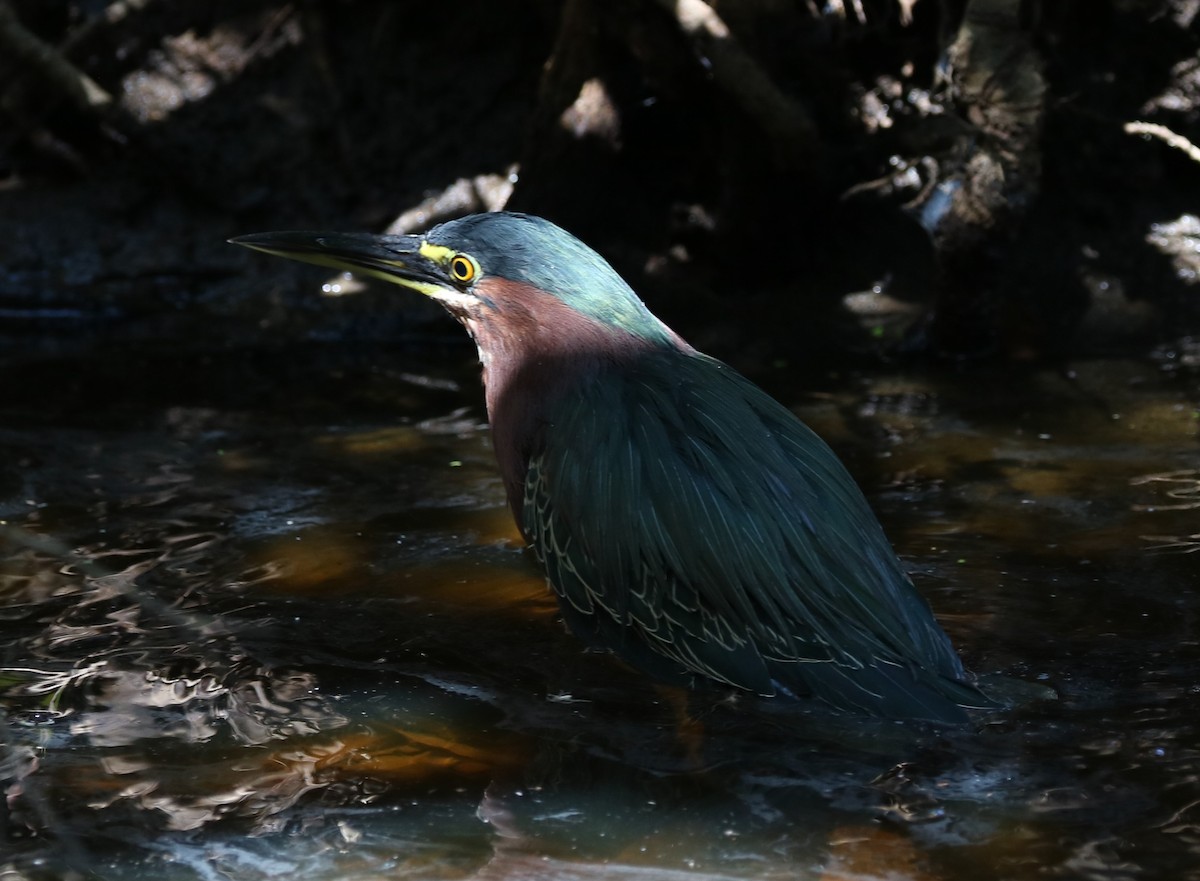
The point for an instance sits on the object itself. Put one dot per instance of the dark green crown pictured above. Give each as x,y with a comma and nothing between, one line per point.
524,248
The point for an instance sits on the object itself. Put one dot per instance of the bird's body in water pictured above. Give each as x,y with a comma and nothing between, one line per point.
686,520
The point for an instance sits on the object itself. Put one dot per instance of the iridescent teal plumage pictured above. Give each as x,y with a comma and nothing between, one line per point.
535,251
686,520
694,526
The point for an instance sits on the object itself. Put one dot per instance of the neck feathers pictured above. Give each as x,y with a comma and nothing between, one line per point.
535,349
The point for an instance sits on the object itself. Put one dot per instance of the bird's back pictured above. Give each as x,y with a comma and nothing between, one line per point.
706,532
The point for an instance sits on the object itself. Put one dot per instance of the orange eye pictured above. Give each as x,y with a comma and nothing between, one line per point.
462,269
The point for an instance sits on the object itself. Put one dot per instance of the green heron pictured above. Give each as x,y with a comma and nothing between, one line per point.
687,521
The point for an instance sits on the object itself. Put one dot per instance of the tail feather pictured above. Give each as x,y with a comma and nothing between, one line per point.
883,690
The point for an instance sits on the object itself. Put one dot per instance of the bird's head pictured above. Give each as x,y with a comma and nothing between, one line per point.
501,270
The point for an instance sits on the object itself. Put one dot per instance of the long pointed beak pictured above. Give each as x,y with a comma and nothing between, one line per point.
395,259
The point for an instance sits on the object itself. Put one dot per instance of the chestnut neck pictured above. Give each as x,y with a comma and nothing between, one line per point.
535,349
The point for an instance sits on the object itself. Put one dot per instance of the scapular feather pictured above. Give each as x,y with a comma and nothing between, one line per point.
711,534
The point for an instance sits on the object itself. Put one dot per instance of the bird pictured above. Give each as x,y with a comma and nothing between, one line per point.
687,521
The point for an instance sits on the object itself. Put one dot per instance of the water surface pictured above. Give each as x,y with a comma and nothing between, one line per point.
264,612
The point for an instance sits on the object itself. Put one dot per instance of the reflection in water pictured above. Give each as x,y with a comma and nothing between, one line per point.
290,630
1182,489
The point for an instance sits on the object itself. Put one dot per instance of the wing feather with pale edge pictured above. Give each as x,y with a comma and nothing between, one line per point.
694,525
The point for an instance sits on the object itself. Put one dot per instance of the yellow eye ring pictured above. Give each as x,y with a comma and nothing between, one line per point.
463,269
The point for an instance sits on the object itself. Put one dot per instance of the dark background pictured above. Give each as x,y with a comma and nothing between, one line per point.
745,164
